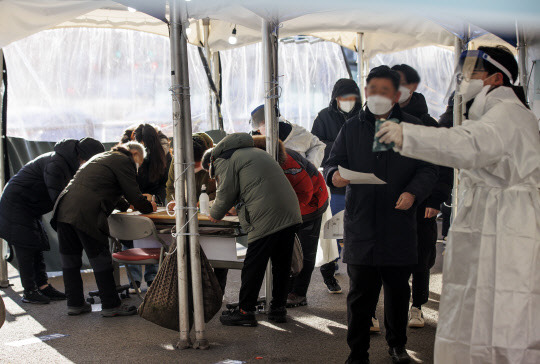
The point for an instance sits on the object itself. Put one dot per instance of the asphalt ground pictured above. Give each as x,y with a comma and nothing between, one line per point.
315,333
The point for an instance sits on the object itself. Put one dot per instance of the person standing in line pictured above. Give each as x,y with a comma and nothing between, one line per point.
414,103
380,240
345,103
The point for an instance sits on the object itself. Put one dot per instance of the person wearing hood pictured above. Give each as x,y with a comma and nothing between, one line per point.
489,301
292,135
345,103
30,194
312,193
380,239
253,182
107,182
415,104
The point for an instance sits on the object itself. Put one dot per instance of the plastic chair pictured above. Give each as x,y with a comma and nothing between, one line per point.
130,227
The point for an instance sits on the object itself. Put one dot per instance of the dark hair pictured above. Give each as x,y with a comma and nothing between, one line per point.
198,149
411,76
126,137
148,135
502,55
384,72
205,161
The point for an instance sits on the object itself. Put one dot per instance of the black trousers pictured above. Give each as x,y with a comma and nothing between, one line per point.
278,247
32,268
309,240
427,253
362,299
72,243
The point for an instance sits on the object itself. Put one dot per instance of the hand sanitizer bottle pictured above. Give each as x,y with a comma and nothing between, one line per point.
204,201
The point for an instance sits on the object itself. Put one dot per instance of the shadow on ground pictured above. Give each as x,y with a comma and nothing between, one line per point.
314,334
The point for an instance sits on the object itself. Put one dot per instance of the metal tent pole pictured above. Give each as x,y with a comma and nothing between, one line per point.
522,58
360,79
179,179
459,46
4,281
269,49
211,97
193,221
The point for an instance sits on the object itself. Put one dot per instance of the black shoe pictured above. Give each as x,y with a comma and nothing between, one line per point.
149,283
35,297
121,310
53,293
357,361
333,285
399,355
75,311
278,315
293,300
238,317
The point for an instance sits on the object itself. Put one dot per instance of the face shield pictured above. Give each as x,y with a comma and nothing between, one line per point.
471,66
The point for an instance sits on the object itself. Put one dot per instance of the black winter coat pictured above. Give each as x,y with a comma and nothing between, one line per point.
329,121
32,192
377,234
157,188
96,190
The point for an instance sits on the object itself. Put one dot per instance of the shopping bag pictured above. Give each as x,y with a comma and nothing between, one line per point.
160,304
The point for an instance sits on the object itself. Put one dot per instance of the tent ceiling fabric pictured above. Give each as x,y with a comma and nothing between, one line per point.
388,27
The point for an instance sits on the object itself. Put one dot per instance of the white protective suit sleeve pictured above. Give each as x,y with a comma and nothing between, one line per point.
475,144
307,144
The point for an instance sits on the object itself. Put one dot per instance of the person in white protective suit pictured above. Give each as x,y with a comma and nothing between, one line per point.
490,302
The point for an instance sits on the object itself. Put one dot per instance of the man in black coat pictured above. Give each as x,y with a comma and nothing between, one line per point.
380,220
30,194
345,103
415,104
106,182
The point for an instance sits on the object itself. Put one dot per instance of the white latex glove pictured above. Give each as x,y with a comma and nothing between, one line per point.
391,132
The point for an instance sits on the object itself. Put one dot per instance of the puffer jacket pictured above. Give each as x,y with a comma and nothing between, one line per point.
329,121
102,184
302,141
307,181
253,181
32,192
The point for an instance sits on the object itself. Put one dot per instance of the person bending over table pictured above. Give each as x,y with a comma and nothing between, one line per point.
28,196
268,211
105,183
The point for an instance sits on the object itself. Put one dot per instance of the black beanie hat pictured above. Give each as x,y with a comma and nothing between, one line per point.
89,147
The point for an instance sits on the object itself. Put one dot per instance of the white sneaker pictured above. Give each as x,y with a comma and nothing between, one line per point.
416,317
374,325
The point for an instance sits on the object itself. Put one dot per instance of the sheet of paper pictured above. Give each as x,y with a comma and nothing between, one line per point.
359,178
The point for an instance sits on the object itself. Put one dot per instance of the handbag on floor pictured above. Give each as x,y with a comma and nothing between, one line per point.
160,304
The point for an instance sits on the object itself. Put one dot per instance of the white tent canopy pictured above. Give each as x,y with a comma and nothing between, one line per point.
387,28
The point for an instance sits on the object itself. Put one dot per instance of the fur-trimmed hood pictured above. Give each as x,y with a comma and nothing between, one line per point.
259,141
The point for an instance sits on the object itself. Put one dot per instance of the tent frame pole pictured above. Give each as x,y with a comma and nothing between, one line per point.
179,177
193,221
209,59
522,58
460,45
360,62
271,92
4,281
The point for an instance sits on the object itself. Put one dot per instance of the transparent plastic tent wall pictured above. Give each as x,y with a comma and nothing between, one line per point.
75,82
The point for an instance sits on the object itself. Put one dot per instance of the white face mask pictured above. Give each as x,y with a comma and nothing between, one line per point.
405,94
469,89
379,105
346,106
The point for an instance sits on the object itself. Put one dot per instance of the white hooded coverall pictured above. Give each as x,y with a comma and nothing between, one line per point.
490,303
